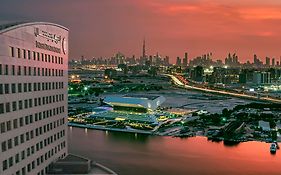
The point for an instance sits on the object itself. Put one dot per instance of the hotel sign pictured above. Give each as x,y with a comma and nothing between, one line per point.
47,47
47,35
50,37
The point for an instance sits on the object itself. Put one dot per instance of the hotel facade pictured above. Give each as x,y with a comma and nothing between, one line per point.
33,97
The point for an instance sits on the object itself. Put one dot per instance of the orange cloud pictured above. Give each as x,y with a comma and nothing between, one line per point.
260,13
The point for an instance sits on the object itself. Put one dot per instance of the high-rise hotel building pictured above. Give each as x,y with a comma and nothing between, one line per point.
33,97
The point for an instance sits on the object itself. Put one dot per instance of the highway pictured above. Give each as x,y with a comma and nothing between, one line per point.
239,95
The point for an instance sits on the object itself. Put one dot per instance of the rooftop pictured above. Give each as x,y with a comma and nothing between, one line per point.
13,25
125,115
149,97
8,25
74,164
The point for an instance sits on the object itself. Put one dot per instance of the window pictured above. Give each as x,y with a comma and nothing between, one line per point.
35,86
17,159
4,146
1,89
27,138
29,87
9,143
1,110
8,107
21,122
35,102
24,70
13,88
0,69
11,161
22,139
28,167
38,56
3,127
13,70
29,71
20,105
19,87
29,54
34,55
16,140
14,105
24,53
25,104
26,120
15,123
23,171
30,103
19,70
7,89
25,87
9,125
12,52
6,70
19,53
5,165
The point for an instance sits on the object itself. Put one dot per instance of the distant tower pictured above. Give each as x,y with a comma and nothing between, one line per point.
185,59
273,62
267,61
143,49
178,62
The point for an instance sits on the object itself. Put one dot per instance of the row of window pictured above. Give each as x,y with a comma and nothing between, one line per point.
8,163
29,87
31,55
29,71
27,120
10,143
23,121
29,103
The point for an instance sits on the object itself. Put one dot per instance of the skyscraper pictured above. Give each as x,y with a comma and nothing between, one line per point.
178,62
143,49
267,61
33,96
273,62
185,59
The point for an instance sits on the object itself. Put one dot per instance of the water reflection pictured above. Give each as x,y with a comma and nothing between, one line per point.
128,154
230,143
128,137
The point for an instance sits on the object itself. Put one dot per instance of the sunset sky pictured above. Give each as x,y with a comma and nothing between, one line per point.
171,27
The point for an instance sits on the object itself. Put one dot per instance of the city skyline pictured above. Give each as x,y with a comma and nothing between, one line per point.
169,27
139,87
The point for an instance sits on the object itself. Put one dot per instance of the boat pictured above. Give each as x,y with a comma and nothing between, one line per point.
276,143
273,148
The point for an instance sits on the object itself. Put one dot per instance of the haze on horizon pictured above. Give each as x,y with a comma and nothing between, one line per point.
171,27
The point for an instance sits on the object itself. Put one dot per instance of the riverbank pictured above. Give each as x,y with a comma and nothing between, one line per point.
178,134
98,127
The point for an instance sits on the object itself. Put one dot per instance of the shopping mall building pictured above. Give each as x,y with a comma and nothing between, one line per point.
33,96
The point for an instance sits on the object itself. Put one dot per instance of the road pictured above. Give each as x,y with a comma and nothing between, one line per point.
181,84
